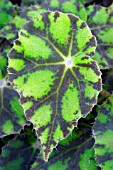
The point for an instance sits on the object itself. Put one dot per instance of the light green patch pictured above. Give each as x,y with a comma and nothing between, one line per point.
70,138
44,136
30,88
79,23
60,28
110,53
87,161
107,106
105,139
17,144
70,104
34,165
58,134
108,165
89,50
101,60
90,9
89,74
16,64
100,151
27,105
90,92
82,14
8,127
10,35
54,3
7,27
3,62
21,121
42,116
16,107
1,75
38,23
19,22
102,118
33,47
4,18
105,35
59,164
69,7
7,50
79,60
101,16
85,35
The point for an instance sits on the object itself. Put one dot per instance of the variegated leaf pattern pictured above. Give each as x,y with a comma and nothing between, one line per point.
11,112
6,12
4,49
20,152
10,31
100,21
73,153
103,134
50,68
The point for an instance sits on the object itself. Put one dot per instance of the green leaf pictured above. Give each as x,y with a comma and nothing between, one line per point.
4,49
103,134
10,31
70,6
73,153
50,68
20,152
6,12
100,20
11,112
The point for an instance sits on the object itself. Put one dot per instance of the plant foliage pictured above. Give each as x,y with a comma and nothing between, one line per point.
51,74
58,56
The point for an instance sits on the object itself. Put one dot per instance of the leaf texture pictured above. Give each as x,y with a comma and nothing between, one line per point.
11,112
50,68
103,134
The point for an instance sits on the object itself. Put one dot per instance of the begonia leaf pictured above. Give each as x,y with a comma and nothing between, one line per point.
10,31
20,152
4,49
6,12
11,112
51,68
103,134
73,153
100,21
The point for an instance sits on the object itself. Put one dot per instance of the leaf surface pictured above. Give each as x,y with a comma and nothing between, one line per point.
4,49
6,12
73,153
100,21
20,152
103,134
10,31
11,112
50,67
65,6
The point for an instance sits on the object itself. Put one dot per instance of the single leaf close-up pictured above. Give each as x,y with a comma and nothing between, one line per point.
50,66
